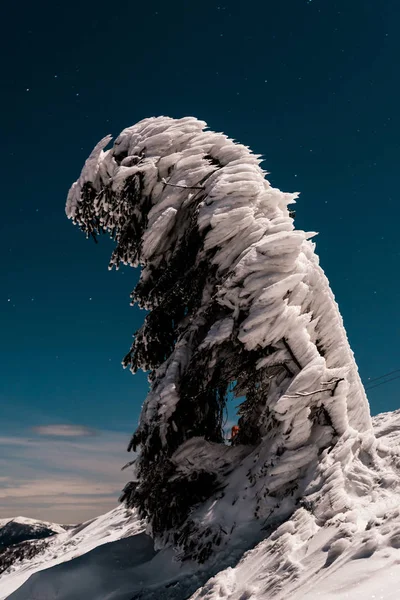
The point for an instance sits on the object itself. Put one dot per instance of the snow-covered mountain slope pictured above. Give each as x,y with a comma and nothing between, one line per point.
21,538
67,545
342,543
20,529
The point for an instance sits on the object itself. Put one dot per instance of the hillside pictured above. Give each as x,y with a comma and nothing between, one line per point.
352,555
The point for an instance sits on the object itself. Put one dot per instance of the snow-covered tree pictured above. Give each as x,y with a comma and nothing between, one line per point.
236,299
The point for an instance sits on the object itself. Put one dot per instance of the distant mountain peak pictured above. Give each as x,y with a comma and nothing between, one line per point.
21,529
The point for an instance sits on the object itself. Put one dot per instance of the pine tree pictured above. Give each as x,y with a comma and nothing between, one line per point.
235,299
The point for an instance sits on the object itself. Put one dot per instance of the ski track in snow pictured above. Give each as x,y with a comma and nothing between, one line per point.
355,555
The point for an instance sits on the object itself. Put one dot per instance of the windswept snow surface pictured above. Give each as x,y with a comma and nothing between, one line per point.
352,553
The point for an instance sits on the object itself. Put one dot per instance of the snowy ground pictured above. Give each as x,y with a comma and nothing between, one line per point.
68,545
355,554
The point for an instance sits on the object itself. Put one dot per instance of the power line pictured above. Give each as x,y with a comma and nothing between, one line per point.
382,376
382,382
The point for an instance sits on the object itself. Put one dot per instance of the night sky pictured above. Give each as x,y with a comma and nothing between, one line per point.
313,86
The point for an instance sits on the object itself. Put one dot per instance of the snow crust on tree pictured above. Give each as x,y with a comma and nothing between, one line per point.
349,511
236,298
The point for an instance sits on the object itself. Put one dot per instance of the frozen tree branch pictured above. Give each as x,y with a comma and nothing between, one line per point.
228,284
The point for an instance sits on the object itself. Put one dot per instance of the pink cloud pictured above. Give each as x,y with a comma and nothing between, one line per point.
62,430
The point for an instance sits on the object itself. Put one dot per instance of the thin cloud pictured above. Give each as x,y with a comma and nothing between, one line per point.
63,430
61,478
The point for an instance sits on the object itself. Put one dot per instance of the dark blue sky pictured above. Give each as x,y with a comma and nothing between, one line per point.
313,86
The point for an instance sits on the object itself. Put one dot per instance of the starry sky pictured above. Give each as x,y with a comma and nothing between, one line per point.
311,85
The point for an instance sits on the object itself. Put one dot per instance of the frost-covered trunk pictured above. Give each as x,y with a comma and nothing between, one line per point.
236,298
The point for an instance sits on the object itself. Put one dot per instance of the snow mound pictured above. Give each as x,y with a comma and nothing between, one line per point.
94,574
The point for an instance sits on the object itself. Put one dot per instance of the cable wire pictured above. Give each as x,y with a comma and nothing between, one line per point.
382,376
382,382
